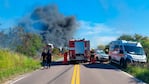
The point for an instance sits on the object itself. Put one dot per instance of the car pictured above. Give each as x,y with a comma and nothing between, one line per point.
101,56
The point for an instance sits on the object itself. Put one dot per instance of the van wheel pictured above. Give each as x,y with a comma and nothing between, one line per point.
122,63
127,62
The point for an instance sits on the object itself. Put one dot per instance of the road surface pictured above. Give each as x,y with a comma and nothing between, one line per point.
77,74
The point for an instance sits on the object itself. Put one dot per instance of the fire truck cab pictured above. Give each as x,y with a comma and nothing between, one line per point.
79,50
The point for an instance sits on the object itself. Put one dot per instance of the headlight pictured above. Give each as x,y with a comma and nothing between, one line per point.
144,57
129,57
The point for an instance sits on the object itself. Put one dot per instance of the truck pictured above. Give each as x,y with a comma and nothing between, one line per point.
79,50
123,52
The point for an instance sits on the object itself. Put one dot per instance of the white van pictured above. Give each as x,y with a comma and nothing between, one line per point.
123,52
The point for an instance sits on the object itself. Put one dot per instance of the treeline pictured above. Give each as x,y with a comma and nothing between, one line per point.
27,43
19,40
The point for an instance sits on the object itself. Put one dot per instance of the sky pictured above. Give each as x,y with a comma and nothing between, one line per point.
100,21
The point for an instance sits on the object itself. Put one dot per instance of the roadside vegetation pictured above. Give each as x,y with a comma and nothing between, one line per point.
140,71
12,63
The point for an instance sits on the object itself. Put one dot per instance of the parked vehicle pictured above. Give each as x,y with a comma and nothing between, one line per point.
123,52
79,50
101,56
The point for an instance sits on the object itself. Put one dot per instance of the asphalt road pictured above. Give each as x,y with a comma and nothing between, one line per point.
98,73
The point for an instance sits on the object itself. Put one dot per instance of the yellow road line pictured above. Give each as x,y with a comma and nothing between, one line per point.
76,75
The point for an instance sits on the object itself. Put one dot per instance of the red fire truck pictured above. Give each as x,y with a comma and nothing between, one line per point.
79,50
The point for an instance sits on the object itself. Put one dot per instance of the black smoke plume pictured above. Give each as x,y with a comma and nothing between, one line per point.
53,26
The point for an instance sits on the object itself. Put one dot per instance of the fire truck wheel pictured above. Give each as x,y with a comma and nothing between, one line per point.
71,62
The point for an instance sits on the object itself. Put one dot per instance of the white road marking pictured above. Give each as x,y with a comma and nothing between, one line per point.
18,79
22,77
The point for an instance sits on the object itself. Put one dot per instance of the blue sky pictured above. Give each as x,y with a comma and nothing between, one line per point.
100,21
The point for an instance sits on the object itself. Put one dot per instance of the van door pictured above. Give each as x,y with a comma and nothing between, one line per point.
120,53
116,52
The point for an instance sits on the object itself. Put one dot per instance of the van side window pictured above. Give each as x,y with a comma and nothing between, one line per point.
121,50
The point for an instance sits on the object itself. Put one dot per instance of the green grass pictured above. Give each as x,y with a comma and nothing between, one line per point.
12,63
139,72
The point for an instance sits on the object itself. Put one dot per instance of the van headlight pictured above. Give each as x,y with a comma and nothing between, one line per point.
144,57
129,57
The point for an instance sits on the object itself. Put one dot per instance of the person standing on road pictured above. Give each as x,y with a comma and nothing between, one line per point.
44,58
49,55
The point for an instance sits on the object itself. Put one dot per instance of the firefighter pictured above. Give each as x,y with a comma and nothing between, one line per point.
92,56
49,55
65,61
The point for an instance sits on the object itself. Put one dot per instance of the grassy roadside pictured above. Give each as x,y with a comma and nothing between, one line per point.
139,72
12,64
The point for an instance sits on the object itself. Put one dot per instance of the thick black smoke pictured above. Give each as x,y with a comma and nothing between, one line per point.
54,27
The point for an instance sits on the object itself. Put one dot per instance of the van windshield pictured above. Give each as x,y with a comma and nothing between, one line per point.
134,50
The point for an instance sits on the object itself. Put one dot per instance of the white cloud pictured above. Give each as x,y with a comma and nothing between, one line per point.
104,40
101,40
97,33
89,28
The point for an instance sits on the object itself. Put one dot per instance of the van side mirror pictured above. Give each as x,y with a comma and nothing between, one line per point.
146,54
121,52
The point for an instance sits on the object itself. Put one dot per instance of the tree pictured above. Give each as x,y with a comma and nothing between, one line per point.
2,37
126,37
137,37
145,44
56,51
102,47
17,39
31,43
